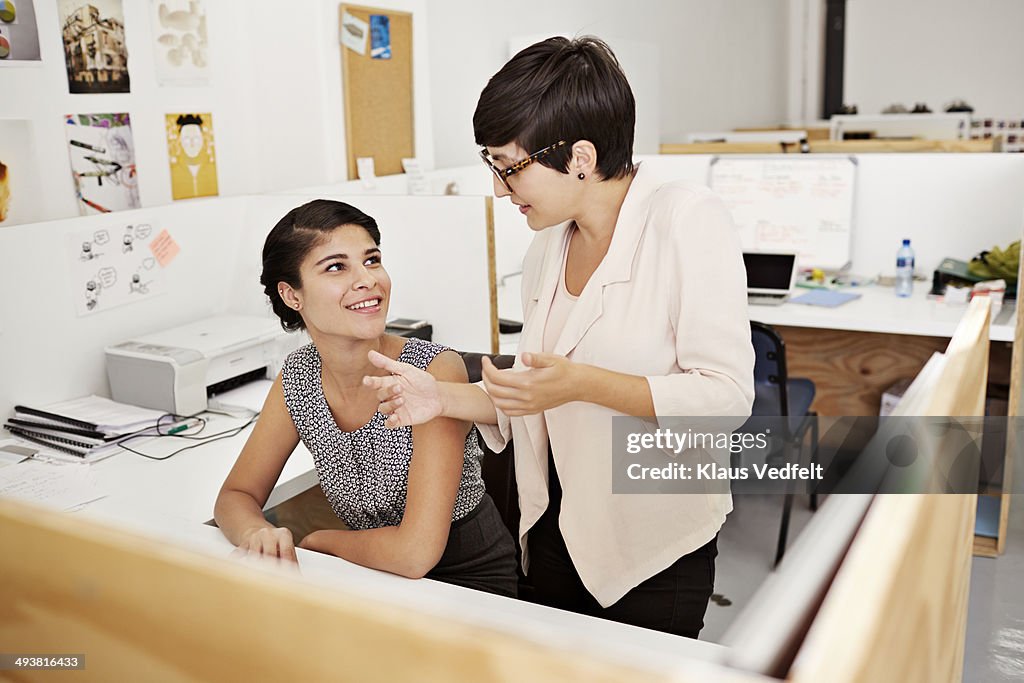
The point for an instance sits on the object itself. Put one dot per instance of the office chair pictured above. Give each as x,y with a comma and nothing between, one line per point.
789,398
499,470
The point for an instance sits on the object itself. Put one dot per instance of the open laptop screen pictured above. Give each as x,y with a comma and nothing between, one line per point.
769,273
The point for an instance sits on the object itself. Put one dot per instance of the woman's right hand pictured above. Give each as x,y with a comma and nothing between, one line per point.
410,396
268,542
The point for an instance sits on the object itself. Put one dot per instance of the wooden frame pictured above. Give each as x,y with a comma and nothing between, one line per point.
378,96
912,557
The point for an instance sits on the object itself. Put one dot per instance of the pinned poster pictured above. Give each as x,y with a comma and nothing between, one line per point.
354,32
380,36
180,43
22,199
19,35
192,155
94,45
102,162
112,266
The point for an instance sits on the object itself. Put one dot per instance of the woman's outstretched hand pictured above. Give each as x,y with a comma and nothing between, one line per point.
546,381
410,396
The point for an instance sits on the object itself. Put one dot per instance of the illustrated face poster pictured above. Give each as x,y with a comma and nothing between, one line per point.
180,42
19,36
21,200
191,152
94,47
102,162
113,266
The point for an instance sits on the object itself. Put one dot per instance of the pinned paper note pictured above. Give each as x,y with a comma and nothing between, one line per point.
354,32
418,183
380,36
164,248
366,172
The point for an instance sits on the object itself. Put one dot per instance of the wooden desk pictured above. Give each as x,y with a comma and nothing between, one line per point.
856,351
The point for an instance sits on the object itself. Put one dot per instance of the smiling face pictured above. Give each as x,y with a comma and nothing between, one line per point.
545,196
345,288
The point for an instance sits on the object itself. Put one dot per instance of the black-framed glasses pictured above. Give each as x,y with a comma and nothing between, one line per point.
503,174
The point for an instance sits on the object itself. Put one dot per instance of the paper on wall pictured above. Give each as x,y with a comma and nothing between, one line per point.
112,266
354,33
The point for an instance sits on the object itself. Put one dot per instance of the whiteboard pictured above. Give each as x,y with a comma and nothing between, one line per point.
803,205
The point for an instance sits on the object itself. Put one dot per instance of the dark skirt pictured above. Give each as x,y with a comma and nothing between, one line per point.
480,553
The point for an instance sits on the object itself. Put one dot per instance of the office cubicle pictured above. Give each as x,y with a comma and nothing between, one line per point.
876,590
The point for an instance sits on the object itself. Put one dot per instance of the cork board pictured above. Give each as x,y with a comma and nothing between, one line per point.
377,92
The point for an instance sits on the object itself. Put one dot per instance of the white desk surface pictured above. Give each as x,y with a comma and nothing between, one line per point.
171,500
880,310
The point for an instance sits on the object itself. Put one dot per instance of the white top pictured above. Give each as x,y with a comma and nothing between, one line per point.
561,305
668,302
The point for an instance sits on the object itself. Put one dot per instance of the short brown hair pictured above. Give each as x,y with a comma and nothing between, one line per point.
561,89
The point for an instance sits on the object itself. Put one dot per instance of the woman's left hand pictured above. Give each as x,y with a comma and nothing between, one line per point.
547,382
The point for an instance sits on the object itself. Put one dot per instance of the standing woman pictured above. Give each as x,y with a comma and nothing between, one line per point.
413,498
634,303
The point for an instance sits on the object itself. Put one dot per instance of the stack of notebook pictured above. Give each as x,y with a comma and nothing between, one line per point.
90,428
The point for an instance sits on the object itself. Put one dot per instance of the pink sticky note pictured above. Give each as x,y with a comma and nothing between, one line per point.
164,248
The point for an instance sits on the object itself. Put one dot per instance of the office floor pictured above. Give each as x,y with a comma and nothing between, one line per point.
994,651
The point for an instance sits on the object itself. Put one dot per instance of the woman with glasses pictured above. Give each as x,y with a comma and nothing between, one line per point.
634,298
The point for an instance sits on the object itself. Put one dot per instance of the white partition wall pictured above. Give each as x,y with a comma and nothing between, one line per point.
47,352
949,205
435,251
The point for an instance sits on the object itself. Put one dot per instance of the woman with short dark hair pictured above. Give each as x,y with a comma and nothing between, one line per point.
634,303
413,499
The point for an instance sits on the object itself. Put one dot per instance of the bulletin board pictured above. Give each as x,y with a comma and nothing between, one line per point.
800,204
377,88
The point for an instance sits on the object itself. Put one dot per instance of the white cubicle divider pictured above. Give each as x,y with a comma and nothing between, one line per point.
47,352
434,249
948,205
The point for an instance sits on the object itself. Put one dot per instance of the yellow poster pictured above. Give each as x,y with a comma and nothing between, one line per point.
191,152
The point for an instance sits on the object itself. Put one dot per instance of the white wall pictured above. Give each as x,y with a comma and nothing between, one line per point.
934,51
723,63
434,248
275,94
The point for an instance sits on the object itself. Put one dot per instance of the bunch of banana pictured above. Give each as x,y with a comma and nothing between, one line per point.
997,263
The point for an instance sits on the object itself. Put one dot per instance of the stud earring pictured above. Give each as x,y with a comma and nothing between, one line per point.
581,176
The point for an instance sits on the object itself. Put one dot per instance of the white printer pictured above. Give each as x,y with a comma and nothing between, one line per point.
177,369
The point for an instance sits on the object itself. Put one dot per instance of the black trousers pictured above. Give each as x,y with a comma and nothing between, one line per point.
673,600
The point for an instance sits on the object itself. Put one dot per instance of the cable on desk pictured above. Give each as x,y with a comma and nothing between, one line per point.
209,438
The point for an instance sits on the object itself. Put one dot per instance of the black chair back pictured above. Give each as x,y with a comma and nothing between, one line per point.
770,362
499,469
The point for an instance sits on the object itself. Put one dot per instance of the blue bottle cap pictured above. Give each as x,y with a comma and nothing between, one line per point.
906,243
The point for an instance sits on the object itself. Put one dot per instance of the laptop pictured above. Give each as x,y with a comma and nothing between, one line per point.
770,276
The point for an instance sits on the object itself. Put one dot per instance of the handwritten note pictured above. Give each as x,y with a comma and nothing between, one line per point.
164,248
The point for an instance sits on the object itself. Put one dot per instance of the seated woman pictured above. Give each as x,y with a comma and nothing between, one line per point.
413,498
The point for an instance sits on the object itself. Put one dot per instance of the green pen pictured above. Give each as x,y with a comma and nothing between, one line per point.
179,428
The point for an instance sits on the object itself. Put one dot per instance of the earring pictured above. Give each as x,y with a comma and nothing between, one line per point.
581,176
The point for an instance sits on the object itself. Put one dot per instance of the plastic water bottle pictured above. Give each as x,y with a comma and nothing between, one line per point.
905,270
